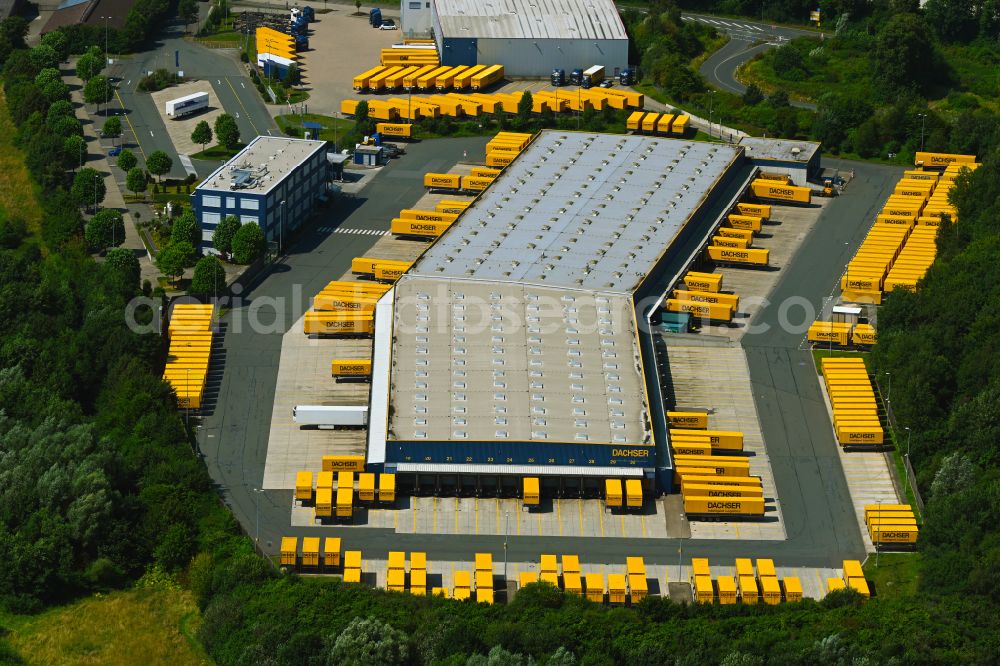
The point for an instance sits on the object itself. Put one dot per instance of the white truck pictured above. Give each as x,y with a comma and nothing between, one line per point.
182,106
592,76
330,416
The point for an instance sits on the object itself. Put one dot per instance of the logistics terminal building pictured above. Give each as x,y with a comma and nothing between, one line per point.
519,344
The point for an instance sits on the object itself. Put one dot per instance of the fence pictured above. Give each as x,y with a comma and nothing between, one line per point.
911,478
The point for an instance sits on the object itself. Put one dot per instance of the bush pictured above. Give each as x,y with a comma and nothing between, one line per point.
209,277
186,230
158,80
248,244
106,229
124,262
225,231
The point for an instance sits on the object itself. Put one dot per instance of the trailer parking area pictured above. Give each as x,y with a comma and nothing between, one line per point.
179,129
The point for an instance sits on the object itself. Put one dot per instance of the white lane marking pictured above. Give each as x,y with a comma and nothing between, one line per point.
150,132
242,85
756,27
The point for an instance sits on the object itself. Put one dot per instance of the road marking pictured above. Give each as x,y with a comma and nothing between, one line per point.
130,125
150,132
243,85
395,521
218,81
414,505
600,515
477,514
435,504
237,115
539,517
456,516
188,166
559,516
623,524
249,119
642,522
498,512
756,27
580,503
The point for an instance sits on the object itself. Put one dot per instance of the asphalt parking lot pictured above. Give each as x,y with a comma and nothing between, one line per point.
179,129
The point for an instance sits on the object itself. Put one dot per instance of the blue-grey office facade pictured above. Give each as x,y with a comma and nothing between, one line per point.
254,183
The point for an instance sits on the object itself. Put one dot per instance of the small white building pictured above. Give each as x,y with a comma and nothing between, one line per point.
798,159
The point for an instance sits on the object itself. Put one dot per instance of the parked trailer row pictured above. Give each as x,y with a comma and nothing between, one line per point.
662,124
841,334
855,410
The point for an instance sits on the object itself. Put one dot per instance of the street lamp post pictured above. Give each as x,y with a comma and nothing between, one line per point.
908,433
97,179
281,227
711,109
256,504
506,520
888,393
923,119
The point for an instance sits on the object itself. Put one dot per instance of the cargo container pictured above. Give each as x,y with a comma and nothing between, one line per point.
699,567
310,551
730,232
792,589
473,184
345,502
443,181
330,415
878,508
324,502
762,211
730,241
396,580
352,559
692,469
663,123
634,122
854,436
893,534
451,206
183,106
730,506
403,130
617,587
633,493
690,448
390,273
594,587
834,584
343,463
351,368
716,311
337,323
830,332
303,486
748,589
723,439
446,80
749,257
765,189
400,227
680,125
613,492
703,281
717,491
426,216
530,494
499,160
777,177
548,563
289,551
487,77
386,488
939,160
410,80
690,420
573,583
864,334
770,590
418,582
649,123
377,83
708,297
464,79
527,578
483,172
344,305
366,487
860,585
638,588
739,481
703,590
744,566
726,589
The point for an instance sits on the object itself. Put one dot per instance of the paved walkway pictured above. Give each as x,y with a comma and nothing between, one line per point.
96,158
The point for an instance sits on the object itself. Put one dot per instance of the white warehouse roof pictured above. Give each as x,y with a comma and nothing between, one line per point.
530,19
262,165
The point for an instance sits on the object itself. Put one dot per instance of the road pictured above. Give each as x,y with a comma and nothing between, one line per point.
819,520
747,39
144,127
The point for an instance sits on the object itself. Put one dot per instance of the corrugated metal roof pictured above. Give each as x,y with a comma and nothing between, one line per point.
519,470
783,150
378,413
530,19
580,211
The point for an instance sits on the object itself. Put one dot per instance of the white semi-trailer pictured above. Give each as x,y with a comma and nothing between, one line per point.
330,416
183,106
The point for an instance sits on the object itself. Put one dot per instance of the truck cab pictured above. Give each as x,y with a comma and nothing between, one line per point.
558,77
576,77
375,17
626,77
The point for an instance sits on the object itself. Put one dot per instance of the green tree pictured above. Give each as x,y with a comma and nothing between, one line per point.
188,11
291,75
368,641
753,95
75,147
225,231
524,109
227,131
126,160
363,125
46,76
54,91
173,259
58,42
209,277
905,56
88,188
186,230
778,99
135,181
60,109
248,243
98,90
202,134
124,262
159,163
788,63
88,66
357,6
43,56
105,229
112,127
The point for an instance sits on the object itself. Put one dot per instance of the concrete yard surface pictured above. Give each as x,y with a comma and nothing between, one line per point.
180,129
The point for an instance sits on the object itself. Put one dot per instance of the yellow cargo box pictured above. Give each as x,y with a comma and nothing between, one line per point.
864,334
765,568
634,122
680,125
740,481
303,485
548,563
633,493
390,273
613,492
703,590
331,552
451,206
617,587
681,448
717,470
418,582
401,227
649,122
860,585
386,487
904,220
792,588
717,311
730,232
324,502
877,508
860,436
638,587
346,305
749,256
721,491
744,566
343,463
499,159
730,241
474,184
445,181
426,216
310,551
711,282
708,297
766,189
748,222
691,420
893,534
734,506
573,584
324,480
289,551
366,487
337,323
779,177
351,368
345,502
404,130
834,584
770,590
940,160
594,587
663,123
530,494
748,589
726,587
762,211
721,439
483,172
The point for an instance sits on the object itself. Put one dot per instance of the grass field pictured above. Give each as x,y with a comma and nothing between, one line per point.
820,352
141,626
17,191
896,575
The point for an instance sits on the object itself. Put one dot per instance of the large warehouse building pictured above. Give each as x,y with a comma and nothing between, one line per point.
519,344
529,38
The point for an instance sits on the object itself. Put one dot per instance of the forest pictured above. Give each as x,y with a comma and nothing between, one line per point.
101,483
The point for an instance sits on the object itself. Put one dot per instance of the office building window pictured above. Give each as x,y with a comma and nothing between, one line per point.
211,202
